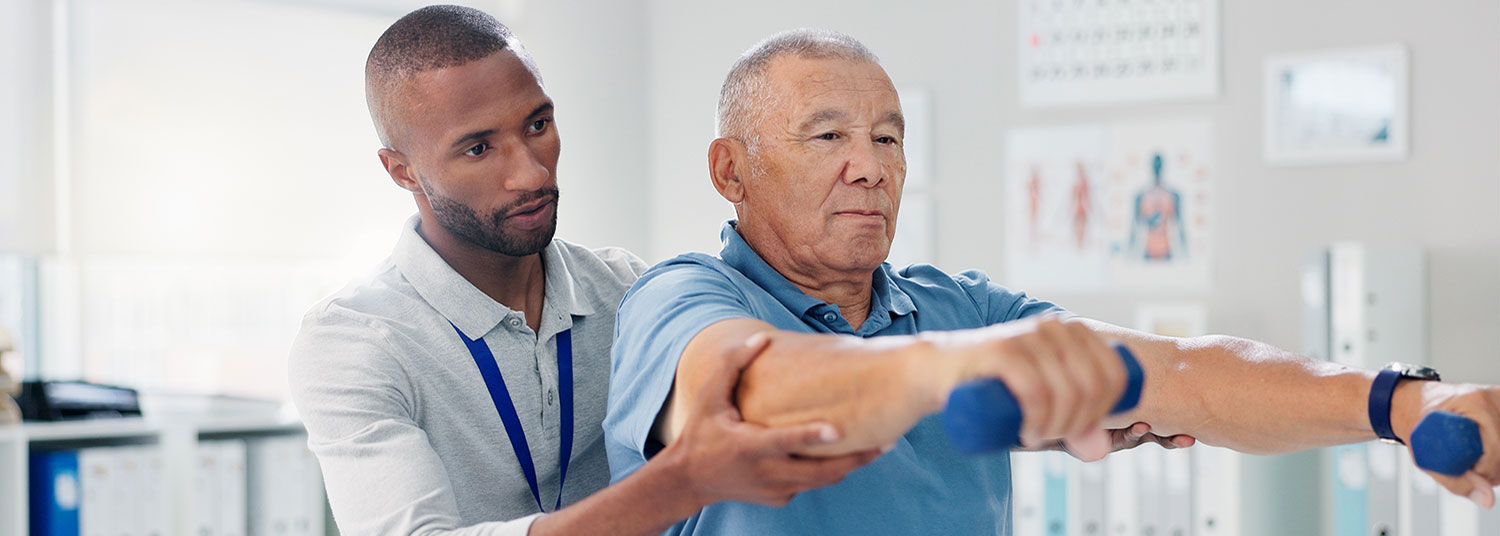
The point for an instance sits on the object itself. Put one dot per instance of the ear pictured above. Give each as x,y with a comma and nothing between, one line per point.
396,166
727,160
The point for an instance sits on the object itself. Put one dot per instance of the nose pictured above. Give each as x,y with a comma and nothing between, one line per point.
863,168
524,169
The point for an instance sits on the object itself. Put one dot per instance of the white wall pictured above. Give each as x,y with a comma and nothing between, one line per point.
26,194
1444,197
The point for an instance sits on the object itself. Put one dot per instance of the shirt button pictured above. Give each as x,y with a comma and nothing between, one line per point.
514,322
829,316
551,394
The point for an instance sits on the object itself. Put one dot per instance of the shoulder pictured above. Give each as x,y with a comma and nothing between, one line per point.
612,262
927,285
354,326
689,269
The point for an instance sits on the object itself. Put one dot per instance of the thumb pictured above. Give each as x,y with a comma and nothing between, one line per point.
717,391
1089,446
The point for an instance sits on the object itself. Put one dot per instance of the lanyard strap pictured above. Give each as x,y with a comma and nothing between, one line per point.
501,396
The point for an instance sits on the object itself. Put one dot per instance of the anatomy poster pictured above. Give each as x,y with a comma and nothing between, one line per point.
1118,208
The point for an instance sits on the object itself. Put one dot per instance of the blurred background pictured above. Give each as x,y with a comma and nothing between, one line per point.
180,180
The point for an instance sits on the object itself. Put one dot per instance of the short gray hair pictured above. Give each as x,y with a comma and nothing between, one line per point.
744,92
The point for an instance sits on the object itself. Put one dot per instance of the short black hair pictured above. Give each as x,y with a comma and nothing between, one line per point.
433,37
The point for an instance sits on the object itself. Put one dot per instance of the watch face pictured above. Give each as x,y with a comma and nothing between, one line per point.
1415,372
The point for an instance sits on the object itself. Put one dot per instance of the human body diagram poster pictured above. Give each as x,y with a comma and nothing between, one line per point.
1110,208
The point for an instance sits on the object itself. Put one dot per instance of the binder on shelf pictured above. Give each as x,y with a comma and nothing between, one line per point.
1055,493
1176,491
233,487
1091,493
125,491
203,517
54,493
155,497
1123,507
97,515
1029,498
1420,510
1216,489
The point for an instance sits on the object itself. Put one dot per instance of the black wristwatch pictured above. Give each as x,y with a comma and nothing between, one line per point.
1385,387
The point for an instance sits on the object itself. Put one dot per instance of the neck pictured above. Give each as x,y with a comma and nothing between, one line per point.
515,282
849,290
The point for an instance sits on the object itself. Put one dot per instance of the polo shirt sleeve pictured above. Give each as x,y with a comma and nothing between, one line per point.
665,309
998,304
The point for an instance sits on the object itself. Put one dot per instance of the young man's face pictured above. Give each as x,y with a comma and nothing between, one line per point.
480,141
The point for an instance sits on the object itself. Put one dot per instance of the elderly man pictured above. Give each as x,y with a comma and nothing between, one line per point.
459,389
810,155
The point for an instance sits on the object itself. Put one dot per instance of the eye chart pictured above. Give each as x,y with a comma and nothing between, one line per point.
1089,52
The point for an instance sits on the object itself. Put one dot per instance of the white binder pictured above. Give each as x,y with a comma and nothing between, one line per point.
204,514
1216,486
1122,512
1090,492
1028,493
232,487
96,512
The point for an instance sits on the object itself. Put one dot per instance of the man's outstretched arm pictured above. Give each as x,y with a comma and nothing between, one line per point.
874,390
1256,398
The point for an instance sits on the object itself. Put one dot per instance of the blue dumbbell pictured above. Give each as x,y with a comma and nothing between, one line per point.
1446,443
983,416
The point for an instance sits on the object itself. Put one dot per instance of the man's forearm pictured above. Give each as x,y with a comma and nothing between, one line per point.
1245,395
646,502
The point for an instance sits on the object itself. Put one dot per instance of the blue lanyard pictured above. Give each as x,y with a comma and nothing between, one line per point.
507,409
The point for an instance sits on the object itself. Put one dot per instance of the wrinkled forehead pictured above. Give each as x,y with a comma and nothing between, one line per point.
803,86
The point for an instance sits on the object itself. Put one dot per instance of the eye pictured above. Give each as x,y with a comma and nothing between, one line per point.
889,140
828,136
478,149
538,126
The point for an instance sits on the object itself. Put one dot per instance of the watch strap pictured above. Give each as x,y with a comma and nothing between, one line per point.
1381,393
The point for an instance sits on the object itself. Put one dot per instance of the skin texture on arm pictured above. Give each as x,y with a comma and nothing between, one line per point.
874,390
1255,398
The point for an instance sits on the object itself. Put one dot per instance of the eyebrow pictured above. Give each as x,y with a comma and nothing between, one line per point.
827,115
821,116
481,134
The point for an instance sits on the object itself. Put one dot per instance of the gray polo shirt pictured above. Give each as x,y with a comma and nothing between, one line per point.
399,417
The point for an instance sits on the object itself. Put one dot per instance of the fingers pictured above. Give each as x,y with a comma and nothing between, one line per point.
1030,387
1089,446
717,391
808,473
792,439
1084,373
1061,395
1109,368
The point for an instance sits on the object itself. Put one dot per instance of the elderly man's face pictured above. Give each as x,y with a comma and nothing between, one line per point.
482,143
828,174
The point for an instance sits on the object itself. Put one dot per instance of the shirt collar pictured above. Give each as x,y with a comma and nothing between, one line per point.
463,304
738,254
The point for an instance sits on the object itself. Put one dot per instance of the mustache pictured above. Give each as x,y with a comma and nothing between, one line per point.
530,197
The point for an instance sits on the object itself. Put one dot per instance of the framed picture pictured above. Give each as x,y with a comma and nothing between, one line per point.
1336,106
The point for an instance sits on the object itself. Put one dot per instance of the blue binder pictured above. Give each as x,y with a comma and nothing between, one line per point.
55,493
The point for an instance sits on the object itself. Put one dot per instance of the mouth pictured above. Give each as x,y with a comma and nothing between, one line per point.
532,208
533,215
862,213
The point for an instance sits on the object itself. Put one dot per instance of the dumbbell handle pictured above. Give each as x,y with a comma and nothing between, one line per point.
1446,443
983,416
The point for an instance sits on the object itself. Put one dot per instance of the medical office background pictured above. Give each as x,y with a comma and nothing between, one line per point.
181,180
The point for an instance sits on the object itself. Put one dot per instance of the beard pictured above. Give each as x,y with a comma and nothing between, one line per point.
489,231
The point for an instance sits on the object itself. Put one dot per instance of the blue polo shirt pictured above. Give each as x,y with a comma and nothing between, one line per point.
923,486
